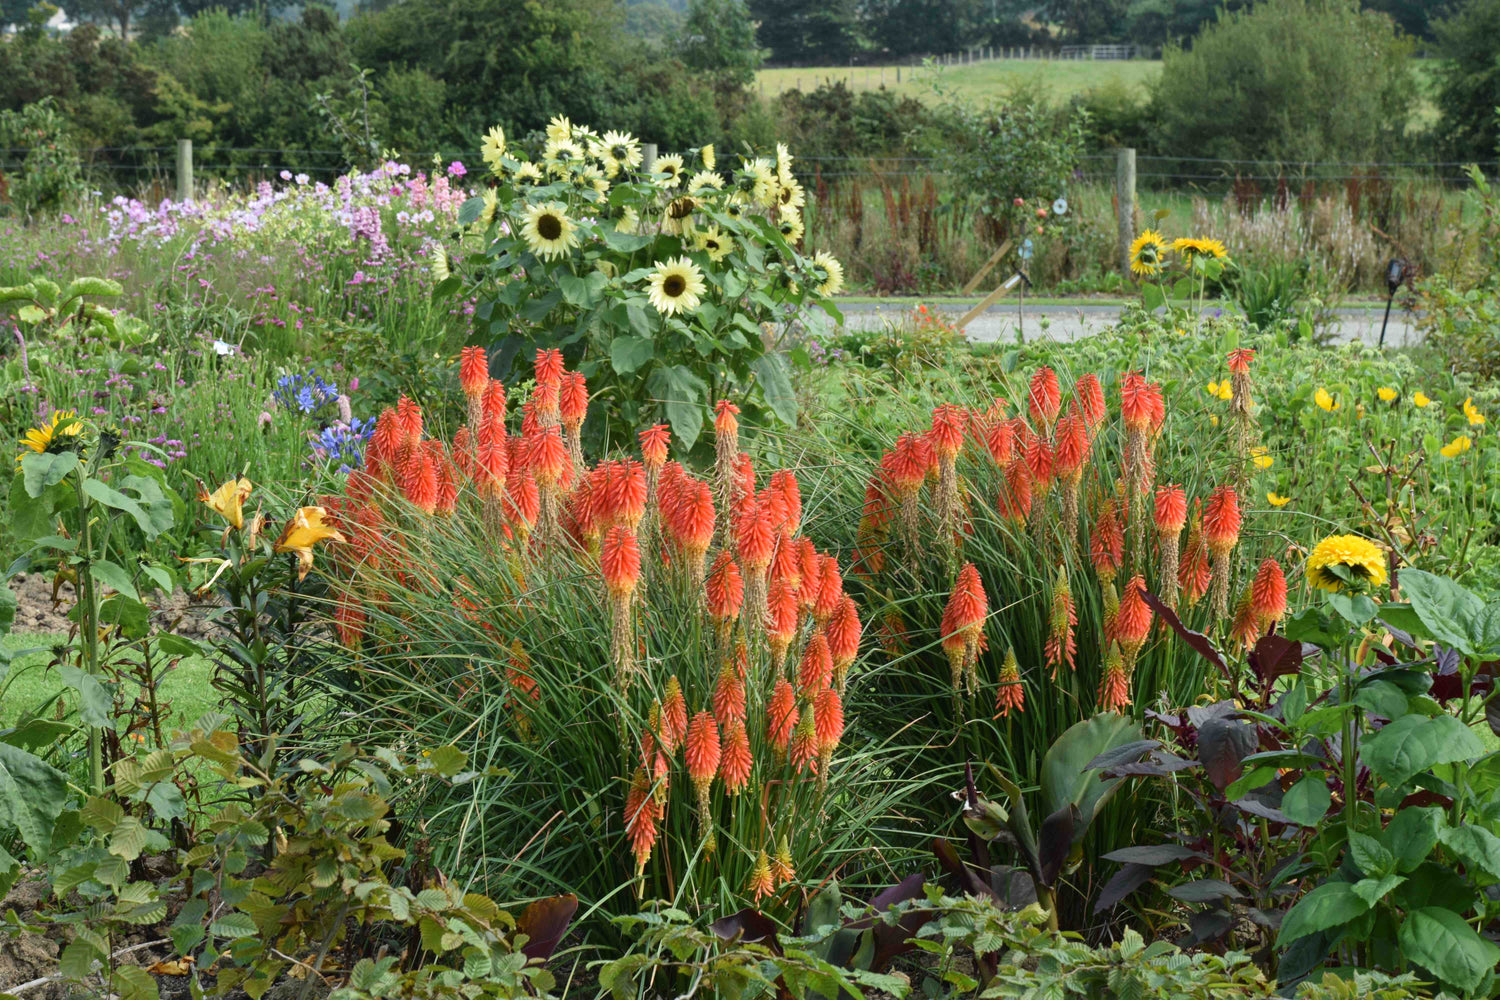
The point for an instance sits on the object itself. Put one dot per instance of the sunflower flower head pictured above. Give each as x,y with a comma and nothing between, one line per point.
675,286
1346,564
548,231
1148,254
55,434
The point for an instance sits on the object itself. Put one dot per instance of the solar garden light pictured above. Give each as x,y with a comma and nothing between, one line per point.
1395,274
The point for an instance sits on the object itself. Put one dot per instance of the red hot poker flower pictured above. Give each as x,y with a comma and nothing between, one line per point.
1170,512
816,670
654,442
1268,593
674,718
781,715
1090,395
1221,521
735,761
620,560
572,399
473,372
726,589
549,367
947,434
1044,398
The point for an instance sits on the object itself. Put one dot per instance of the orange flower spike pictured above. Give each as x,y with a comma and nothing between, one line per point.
810,570
1090,396
781,620
726,422
494,401
573,400
522,499
843,638
1170,511
1010,694
1061,646
626,489
1072,447
781,864
1040,461
447,479
547,457
674,720
754,539
1000,441
729,696
830,589
735,759
1245,627
701,751
1196,571
1239,360
784,482
963,624
1135,401
549,367
802,750
421,485
785,567
694,518
1114,685
761,883
725,589
774,504
1107,542
816,670
620,559
655,757
409,419
1132,620
1043,397
654,441
828,720
640,819
473,372
385,442
947,434
1268,593
1014,502
1221,521
781,716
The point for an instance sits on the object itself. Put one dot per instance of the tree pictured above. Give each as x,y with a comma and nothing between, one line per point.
1289,80
1469,84
808,32
1163,22
1086,21
119,13
908,27
718,37
1415,17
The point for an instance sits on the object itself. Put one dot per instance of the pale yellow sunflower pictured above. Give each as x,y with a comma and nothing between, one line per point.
492,149
54,434
705,182
559,129
618,151
670,167
548,231
528,173
713,243
676,286
706,154
832,273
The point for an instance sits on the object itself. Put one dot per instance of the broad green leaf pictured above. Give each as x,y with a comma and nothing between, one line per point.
128,839
1373,890
1329,905
1065,778
33,794
1413,744
132,982
1478,847
30,313
29,517
233,926
1383,698
1306,802
8,605
1442,942
1411,835
91,286
1152,297
45,469
469,211
150,518
79,959
1371,856
115,577
187,929
94,702
1447,609
776,386
628,354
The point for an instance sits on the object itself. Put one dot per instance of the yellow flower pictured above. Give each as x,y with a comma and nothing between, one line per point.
675,286
48,436
1386,393
1456,447
789,194
832,270
1147,254
783,163
548,231
706,154
1261,459
492,149
228,501
790,225
1190,247
618,151
1475,417
671,166
305,530
527,173
1221,390
1421,399
440,269
562,157
756,183
1344,563
628,221
705,180
1325,401
1213,418
559,129
713,243
1277,500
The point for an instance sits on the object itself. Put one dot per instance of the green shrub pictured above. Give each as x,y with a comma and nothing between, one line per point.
1469,80
1293,80
50,172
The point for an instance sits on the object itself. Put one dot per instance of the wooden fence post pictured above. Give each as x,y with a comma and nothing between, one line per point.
648,156
184,170
1125,205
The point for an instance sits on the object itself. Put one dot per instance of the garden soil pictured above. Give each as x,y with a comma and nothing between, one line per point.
39,611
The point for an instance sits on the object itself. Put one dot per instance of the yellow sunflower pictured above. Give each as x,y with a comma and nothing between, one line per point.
714,243
706,154
705,181
756,183
783,163
790,225
1346,564
529,173
618,151
678,218
671,167
562,157
559,129
55,434
491,205
676,286
1147,254
548,231
790,195
1195,246
492,149
832,273
629,220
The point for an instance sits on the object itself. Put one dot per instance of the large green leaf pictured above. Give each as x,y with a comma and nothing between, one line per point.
1450,612
152,511
627,354
44,469
1065,778
776,386
1329,905
92,286
1442,942
1413,744
33,794
1478,847
8,604
114,576
681,394
1306,802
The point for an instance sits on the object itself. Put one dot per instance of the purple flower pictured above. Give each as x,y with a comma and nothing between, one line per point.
456,169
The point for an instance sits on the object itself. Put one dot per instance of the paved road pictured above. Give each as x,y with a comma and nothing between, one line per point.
999,323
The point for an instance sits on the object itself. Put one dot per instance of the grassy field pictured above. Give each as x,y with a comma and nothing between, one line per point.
1058,78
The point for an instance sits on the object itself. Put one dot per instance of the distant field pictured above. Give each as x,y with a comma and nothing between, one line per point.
1060,78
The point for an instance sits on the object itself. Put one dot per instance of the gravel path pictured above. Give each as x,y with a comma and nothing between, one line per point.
1000,322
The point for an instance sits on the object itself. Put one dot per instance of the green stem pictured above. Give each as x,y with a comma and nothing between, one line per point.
1348,750
89,622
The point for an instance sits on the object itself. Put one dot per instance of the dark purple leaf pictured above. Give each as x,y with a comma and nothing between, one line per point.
1256,808
1403,637
1055,840
894,939
1154,854
1199,714
1157,765
1205,926
544,923
1222,744
1199,642
747,925
1275,656
967,878
1124,754
1492,713
1447,659
1426,797
1015,887
908,888
1128,879
1204,890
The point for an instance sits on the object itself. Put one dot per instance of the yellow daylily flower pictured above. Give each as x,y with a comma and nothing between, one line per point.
1421,399
1475,417
1325,401
305,530
1386,393
228,501
1456,447
1276,500
1261,458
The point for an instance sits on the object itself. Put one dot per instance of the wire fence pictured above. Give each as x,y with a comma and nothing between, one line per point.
126,168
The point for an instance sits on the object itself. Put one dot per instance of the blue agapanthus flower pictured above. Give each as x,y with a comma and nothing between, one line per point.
344,445
304,393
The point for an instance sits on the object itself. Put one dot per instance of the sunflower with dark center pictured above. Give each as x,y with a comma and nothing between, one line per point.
676,286
1147,254
548,231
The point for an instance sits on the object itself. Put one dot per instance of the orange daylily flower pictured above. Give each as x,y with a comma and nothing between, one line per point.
228,501
306,529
